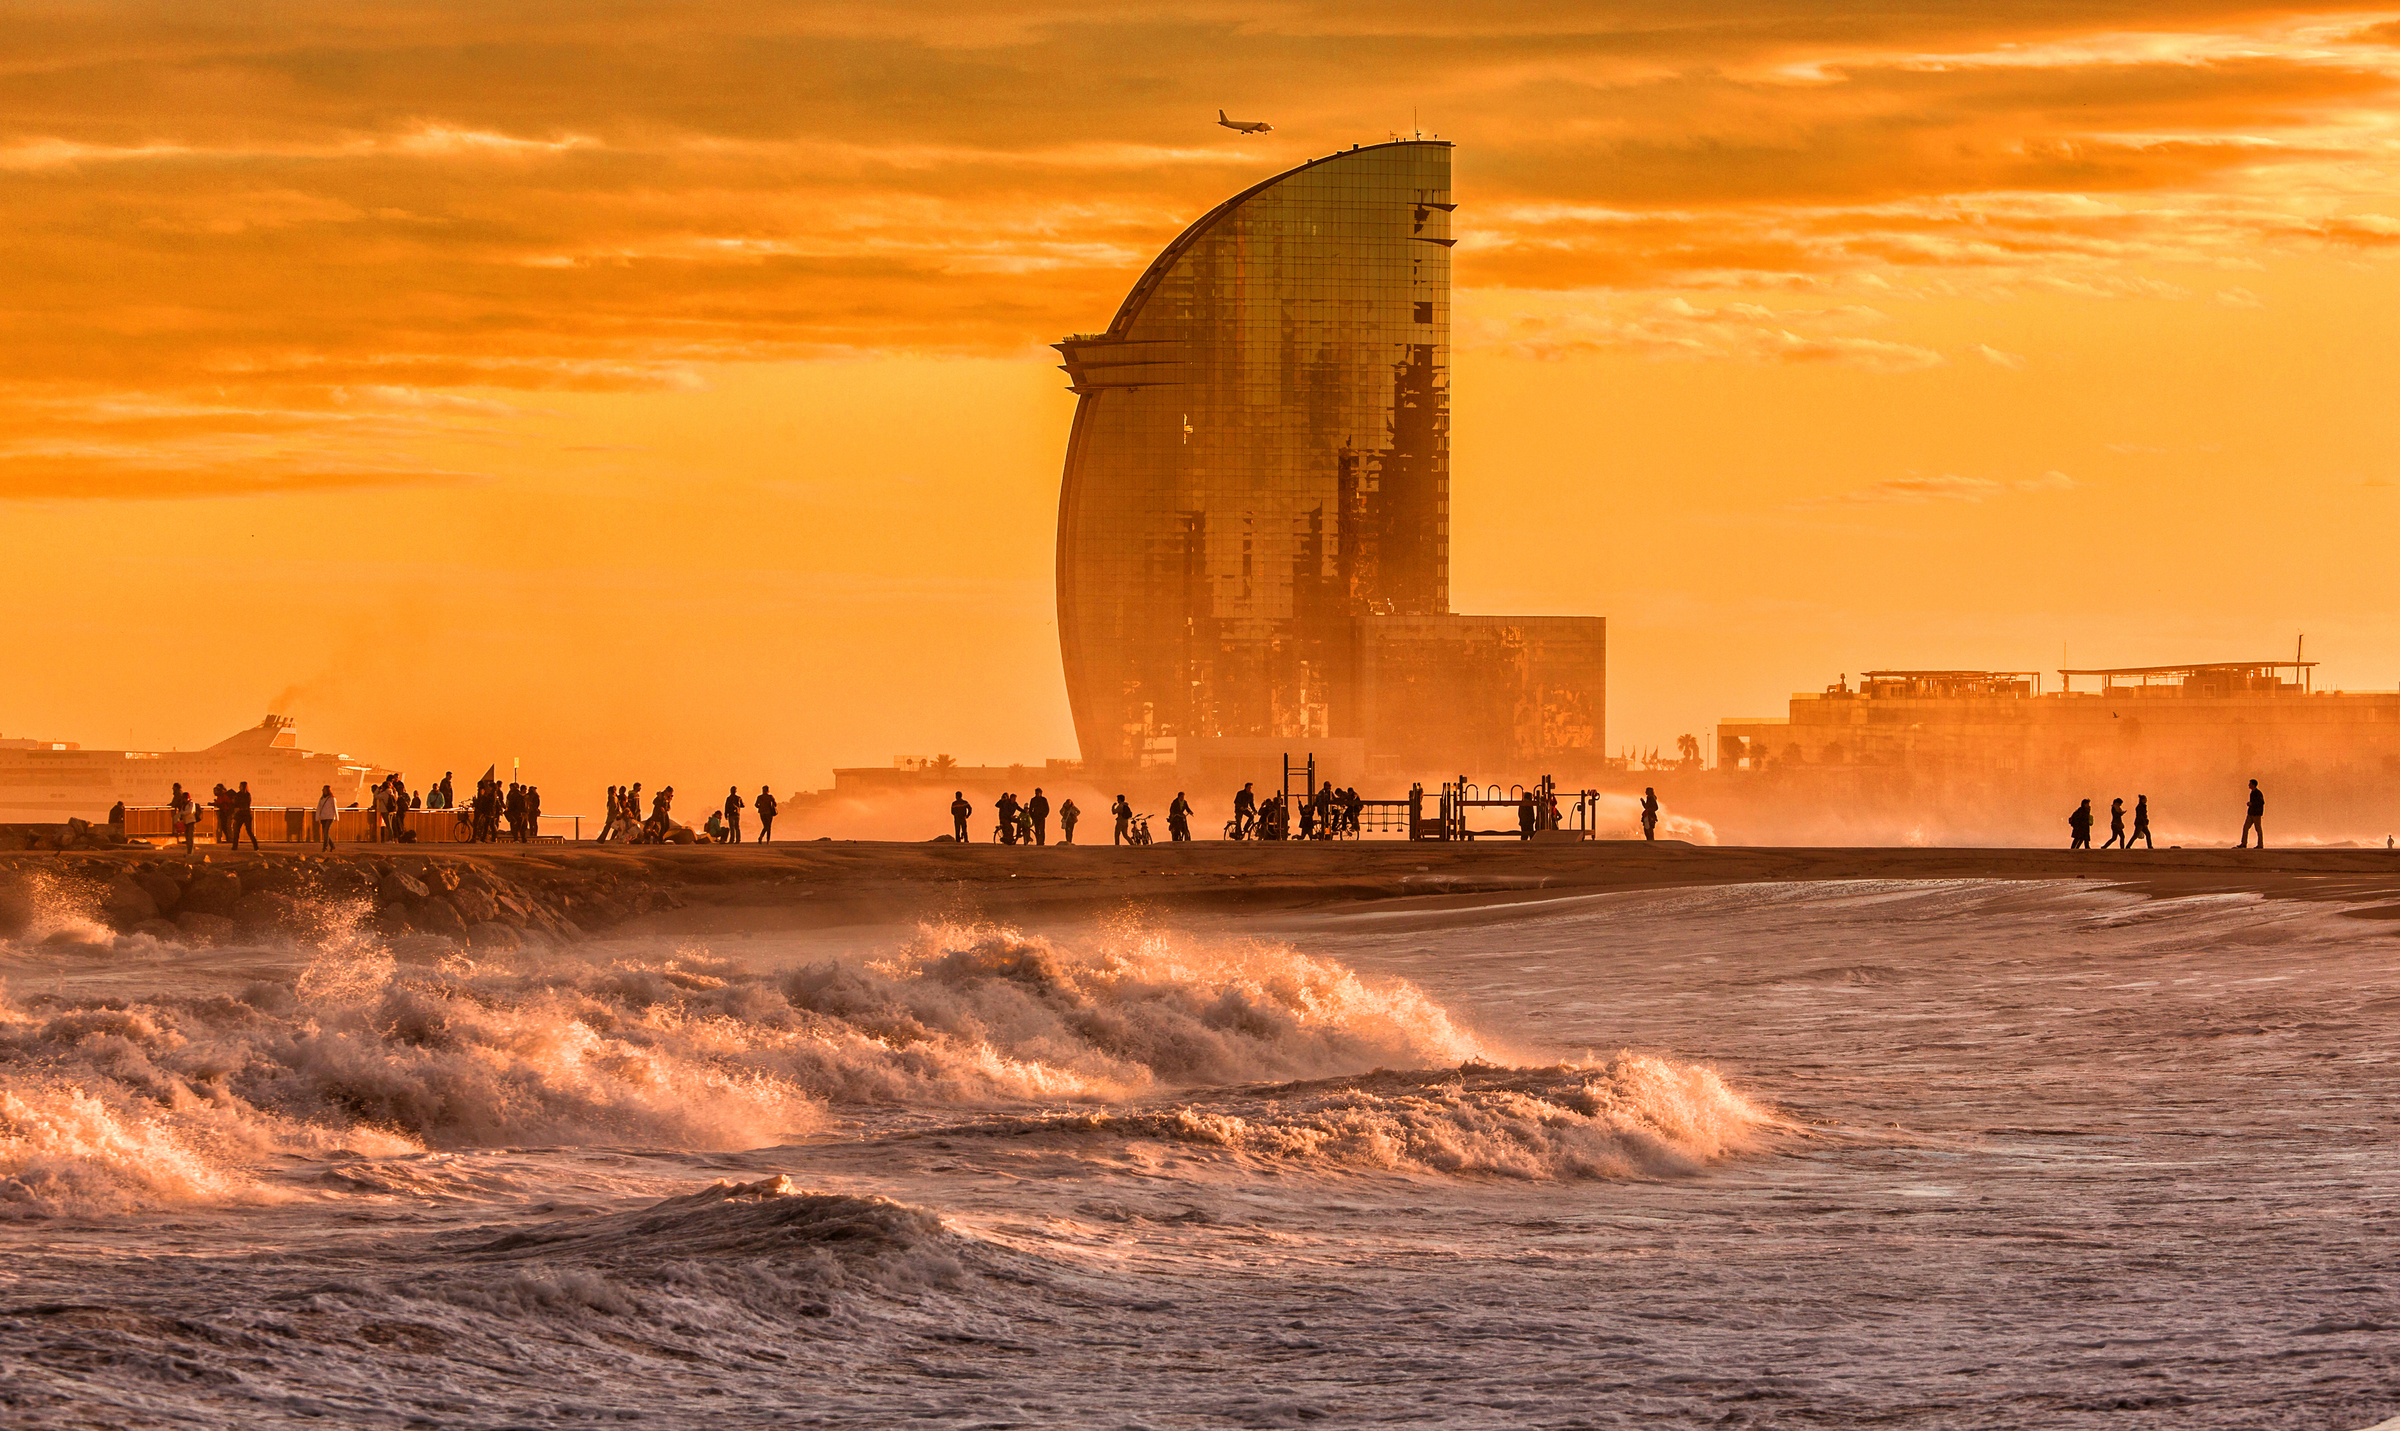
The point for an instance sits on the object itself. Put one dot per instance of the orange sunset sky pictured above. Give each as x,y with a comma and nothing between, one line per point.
660,392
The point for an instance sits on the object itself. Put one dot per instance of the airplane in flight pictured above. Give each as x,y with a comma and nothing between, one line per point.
1244,126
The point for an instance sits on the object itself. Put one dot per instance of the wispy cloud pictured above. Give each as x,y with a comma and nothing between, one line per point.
1915,490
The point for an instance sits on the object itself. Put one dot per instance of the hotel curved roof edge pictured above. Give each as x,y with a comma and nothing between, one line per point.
1144,285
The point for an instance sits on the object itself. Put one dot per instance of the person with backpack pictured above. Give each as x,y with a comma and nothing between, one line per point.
2079,826
1124,813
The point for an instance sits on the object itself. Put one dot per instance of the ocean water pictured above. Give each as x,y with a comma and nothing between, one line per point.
1937,1155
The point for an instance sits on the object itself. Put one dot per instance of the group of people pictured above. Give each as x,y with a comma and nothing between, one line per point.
1016,822
1329,814
2079,823
626,823
725,823
233,814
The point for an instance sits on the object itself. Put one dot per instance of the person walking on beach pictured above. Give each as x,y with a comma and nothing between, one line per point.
2079,825
1124,813
329,814
2141,822
2256,819
1037,810
2116,825
1179,819
1068,814
734,805
959,811
1649,813
765,806
1245,811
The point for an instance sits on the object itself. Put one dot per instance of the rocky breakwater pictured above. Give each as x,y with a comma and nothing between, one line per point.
418,902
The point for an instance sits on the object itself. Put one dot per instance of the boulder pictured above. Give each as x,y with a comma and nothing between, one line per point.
393,918
475,904
214,889
437,916
440,878
163,891
397,886
198,928
127,904
493,938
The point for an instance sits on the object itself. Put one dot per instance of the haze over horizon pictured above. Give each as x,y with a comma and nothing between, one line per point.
665,396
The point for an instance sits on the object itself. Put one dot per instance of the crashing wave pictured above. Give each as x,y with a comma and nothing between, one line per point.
108,1104
1632,1116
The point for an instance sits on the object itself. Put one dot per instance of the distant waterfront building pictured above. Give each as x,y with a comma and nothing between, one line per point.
1254,523
2190,737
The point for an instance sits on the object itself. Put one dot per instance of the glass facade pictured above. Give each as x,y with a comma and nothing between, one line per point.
1259,469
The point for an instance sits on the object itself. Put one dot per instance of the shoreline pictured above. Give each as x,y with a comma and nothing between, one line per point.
483,896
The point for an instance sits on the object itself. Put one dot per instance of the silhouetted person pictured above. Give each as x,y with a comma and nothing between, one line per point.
533,812
1525,816
329,814
959,811
1308,819
1006,808
1124,814
1067,816
2079,825
734,805
449,796
116,818
1179,818
2141,822
1037,810
1649,813
1245,811
765,806
242,819
2256,819
2116,825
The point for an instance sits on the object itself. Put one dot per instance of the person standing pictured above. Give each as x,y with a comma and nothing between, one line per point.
329,814
1245,811
1525,816
2256,819
1649,813
2141,822
1068,814
1124,813
2079,827
734,805
1037,810
533,812
765,805
180,804
1179,819
1004,810
2116,825
959,811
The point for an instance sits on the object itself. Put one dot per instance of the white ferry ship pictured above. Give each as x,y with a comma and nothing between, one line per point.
48,781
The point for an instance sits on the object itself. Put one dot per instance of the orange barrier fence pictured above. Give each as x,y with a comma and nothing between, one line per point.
297,825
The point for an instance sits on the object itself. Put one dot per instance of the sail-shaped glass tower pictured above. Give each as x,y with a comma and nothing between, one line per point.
1254,523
